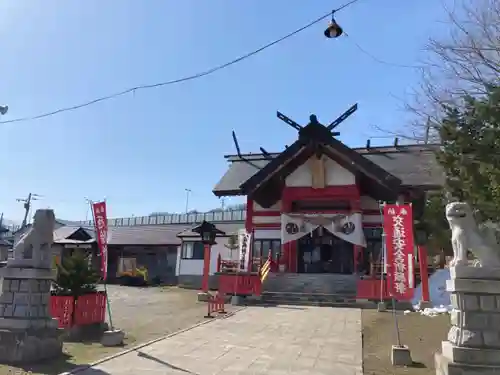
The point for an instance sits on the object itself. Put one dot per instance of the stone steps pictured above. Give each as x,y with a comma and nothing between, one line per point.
310,289
308,299
328,284
272,299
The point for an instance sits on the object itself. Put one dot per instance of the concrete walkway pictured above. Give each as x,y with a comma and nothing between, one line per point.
256,340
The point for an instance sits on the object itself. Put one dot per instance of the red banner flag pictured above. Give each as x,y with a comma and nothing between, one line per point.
398,228
101,228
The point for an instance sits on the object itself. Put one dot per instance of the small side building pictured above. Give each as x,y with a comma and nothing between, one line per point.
154,247
191,255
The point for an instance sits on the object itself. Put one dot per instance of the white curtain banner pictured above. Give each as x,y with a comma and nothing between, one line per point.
349,228
244,241
294,227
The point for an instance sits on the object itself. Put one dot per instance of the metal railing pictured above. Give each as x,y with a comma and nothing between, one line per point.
193,218
217,216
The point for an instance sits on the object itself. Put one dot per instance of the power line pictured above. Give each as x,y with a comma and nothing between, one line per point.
378,60
183,79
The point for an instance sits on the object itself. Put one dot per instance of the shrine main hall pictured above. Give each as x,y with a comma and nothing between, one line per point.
296,197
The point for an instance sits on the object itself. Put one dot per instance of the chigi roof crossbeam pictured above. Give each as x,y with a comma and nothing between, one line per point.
314,120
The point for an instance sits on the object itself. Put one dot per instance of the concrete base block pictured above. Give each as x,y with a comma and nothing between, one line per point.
444,366
113,338
381,307
237,300
401,356
27,346
203,296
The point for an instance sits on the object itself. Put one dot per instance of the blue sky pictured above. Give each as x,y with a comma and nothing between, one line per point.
142,150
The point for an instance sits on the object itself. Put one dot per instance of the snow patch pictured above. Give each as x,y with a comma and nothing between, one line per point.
439,297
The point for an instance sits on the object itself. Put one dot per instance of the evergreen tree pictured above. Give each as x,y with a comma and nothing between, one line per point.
76,276
470,154
433,222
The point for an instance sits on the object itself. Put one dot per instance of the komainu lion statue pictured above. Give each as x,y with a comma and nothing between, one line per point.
467,235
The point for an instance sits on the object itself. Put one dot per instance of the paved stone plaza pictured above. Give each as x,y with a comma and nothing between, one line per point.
256,340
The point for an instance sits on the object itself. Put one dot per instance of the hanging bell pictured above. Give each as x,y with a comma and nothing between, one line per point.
333,30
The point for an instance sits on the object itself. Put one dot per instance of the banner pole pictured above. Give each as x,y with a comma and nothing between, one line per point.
110,317
394,312
383,269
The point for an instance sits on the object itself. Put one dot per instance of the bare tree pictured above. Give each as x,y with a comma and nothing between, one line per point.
465,61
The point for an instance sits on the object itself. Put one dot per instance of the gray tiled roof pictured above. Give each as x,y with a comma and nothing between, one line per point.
415,165
228,228
146,235
416,168
61,234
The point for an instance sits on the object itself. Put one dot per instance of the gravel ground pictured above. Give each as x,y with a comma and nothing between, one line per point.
143,313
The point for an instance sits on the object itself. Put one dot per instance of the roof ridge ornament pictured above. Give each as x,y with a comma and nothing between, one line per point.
266,154
313,120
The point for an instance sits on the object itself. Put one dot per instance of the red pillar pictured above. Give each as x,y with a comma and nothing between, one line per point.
249,229
424,276
206,268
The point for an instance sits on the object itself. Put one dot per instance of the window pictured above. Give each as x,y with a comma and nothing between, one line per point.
192,250
260,251
261,248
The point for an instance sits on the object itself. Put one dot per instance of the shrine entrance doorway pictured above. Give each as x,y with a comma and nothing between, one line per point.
322,252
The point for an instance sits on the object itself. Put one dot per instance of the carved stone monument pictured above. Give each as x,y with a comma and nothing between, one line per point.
27,331
473,345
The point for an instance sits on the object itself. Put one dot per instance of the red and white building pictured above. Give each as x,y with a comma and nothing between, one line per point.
293,198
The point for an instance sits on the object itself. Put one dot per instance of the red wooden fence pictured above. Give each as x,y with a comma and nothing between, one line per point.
244,284
371,289
89,309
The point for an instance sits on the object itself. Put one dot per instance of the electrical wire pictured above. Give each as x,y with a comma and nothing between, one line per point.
183,79
376,59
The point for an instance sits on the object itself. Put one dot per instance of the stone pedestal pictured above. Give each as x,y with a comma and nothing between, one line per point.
473,345
27,331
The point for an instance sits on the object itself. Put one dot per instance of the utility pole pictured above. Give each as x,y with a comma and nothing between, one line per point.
27,206
223,203
89,208
188,191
